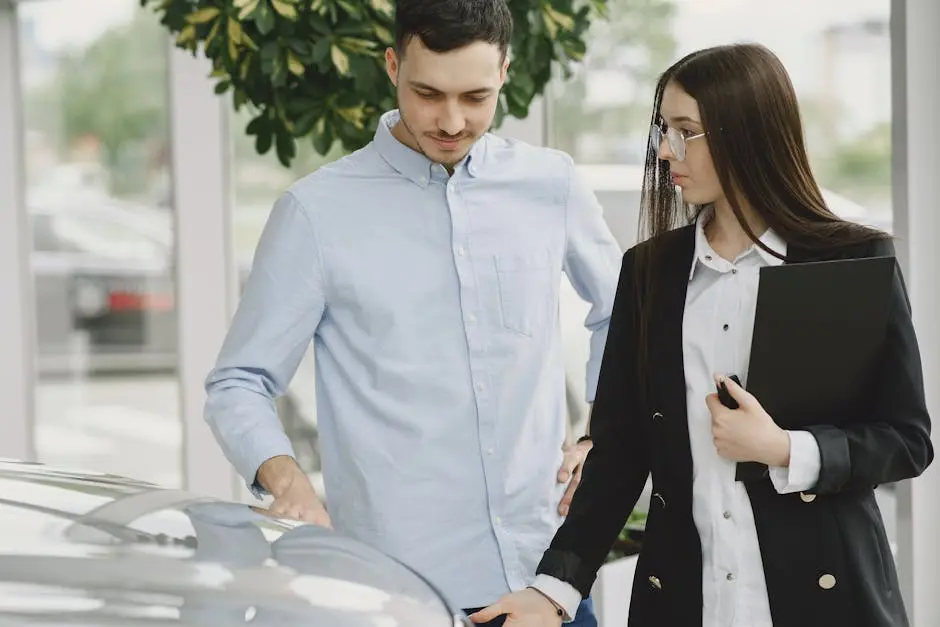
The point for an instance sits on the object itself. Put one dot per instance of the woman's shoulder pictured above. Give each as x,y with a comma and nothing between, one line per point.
675,239
879,245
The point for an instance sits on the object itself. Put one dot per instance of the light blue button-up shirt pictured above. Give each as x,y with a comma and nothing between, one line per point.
432,301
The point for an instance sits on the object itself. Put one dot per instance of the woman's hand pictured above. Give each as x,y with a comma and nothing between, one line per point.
746,434
526,608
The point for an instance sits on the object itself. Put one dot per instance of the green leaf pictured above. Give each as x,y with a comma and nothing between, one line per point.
382,6
340,59
202,16
301,47
351,9
268,55
222,87
286,149
322,137
257,126
321,50
284,9
239,98
263,141
305,123
561,19
264,18
383,34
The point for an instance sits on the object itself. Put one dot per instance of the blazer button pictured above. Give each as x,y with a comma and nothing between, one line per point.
807,497
654,581
657,415
827,582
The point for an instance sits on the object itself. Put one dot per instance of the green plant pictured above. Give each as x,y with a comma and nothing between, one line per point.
630,540
315,68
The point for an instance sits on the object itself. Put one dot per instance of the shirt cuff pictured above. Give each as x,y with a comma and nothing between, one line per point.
803,472
562,593
253,453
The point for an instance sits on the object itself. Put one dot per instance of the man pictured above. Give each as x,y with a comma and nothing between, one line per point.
426,270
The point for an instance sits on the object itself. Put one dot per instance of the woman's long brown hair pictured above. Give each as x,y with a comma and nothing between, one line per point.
754,132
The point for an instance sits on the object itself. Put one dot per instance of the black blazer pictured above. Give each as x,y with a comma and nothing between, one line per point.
825,554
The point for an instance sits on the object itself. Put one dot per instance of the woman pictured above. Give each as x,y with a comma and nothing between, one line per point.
807,545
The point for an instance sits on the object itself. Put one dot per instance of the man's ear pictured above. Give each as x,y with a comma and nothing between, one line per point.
392,65
504,70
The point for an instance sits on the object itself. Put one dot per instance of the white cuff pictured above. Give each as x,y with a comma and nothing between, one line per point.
561,592
803,472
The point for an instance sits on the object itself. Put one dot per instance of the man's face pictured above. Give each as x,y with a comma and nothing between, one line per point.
446,100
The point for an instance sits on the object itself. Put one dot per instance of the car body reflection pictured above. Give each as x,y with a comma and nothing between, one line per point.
86,549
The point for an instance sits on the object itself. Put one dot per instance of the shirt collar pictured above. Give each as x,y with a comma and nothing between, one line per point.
704,251
412,164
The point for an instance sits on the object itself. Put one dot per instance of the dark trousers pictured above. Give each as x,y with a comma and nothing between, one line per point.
584,618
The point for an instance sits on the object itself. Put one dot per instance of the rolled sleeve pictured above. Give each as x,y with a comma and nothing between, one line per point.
564,594
803,471
592,264
279,312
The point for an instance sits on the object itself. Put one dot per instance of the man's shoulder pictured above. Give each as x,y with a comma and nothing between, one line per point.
549,162
339,178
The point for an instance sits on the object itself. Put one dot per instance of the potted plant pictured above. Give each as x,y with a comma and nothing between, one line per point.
315,69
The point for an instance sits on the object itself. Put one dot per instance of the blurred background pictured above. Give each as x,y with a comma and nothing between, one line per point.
105,107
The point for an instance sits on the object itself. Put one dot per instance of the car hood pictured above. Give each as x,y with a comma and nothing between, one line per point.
82,549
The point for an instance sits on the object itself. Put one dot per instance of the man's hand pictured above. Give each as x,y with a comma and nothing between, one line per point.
747,434
526,608
294,496
570,471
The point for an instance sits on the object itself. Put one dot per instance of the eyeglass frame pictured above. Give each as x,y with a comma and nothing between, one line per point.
674,137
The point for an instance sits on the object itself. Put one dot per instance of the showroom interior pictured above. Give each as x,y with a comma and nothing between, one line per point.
197,194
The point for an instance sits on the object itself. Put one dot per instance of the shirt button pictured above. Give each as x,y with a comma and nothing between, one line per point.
734,270
727,515
708,257
480,387
460,251
489,451
730,576
725,327
498,520
471,318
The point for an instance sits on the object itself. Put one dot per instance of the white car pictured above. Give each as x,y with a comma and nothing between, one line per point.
95,550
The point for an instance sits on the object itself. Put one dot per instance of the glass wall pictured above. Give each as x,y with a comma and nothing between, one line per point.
837,54
257,182
94,85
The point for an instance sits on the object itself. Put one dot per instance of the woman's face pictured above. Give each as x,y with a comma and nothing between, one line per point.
696,173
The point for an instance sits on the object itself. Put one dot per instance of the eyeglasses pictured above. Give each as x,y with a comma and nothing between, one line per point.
674,136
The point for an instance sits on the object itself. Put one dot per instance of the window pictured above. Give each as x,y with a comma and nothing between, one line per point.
94,84
259,180
838,57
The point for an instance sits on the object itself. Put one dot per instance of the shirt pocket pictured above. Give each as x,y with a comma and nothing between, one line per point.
526,290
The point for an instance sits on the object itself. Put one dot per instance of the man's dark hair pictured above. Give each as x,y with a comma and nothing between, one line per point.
446,25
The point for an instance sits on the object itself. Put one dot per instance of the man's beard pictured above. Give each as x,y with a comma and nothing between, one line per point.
414,137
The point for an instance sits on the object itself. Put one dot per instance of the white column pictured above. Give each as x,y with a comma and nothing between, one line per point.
16,295
200,160
916,92
533,129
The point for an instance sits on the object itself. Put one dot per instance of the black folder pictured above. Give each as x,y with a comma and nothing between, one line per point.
819,331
